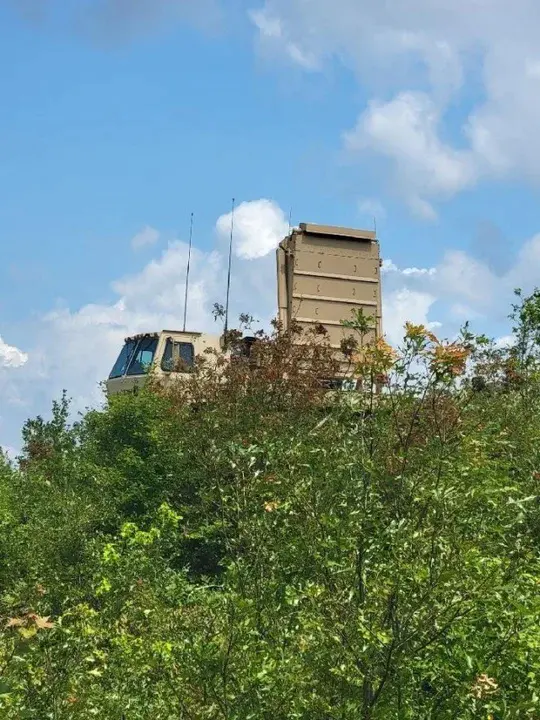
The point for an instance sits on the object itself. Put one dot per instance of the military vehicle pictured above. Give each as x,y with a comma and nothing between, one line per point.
168,353
324,274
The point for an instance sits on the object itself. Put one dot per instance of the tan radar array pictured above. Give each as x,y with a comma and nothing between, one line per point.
325,274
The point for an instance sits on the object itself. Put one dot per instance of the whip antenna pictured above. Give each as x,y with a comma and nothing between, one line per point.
229,272
187,271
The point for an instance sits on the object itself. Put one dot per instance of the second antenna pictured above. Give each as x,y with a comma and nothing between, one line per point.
187,271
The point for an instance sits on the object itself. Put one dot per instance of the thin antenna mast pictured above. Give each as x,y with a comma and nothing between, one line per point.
290,220
187,271
226,327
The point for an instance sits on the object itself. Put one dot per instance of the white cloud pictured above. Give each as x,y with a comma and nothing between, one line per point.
271,29
526,271
372,207
405,130
147,237
268,26
389,266
469,289
458,289
469,280
461,312
506,341
11,357
302,57
417,61
405,305
259,226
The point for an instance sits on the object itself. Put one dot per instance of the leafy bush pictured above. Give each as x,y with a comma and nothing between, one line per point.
247,546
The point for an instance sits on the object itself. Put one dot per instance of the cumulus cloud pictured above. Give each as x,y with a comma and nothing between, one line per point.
405,305
459,288
389,266
259,226
405,130
146,237
418,60
11,357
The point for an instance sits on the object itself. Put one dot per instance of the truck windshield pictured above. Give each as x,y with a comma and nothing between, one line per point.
120,366
135,358
143,356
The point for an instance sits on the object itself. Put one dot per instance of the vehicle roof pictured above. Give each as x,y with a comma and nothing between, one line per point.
139,336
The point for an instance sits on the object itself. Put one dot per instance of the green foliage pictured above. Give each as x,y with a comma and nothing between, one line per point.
245,549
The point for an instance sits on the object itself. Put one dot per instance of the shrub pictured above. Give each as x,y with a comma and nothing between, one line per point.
245,546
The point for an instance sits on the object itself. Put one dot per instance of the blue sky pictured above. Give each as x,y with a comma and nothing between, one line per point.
118,120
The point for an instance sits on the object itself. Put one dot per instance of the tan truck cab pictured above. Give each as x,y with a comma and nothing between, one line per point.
169,354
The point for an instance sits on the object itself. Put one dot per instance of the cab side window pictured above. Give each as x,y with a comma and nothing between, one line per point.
178,357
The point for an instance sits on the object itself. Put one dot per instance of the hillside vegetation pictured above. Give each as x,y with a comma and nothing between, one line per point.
247,549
